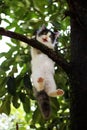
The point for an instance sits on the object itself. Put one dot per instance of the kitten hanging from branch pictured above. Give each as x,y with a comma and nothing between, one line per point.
43,71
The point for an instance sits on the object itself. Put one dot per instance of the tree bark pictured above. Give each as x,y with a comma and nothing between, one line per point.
78,77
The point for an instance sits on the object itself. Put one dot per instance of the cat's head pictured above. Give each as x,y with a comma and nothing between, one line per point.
46,36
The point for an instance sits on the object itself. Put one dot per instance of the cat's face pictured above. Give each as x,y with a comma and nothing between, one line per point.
46,36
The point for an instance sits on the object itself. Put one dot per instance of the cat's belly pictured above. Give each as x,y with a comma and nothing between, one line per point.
42,63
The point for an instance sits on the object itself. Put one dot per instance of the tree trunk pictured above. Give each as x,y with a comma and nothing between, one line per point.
78,77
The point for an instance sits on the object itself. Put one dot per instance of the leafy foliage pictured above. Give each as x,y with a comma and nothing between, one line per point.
25,17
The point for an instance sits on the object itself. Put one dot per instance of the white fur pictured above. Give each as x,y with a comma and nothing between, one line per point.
43,66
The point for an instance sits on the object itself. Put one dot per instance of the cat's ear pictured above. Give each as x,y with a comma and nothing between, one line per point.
57,34
43,27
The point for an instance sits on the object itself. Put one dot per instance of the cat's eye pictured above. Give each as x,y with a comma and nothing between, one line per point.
50,36
44,33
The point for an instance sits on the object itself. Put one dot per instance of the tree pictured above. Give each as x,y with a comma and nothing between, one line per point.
79,64
69,63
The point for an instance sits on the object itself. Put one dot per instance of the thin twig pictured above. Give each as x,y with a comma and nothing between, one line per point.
17,128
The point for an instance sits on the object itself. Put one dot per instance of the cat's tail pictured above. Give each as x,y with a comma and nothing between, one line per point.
44,103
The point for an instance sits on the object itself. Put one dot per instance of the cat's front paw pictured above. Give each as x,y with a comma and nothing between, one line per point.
58,92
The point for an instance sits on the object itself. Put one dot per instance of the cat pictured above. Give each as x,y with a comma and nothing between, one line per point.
43,71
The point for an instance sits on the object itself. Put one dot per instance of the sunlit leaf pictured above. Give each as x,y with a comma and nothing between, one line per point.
5,107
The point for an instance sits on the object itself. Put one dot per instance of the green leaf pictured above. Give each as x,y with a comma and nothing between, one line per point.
54,106
7,63
36,116
27,81
15,102
2,54
55,103
5,107
40,5
3,90
11,86
26,105
22,97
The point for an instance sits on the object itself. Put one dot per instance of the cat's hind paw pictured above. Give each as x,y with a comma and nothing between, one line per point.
40,84
40,79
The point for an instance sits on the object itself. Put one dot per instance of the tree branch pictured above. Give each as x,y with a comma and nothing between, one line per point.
51,54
